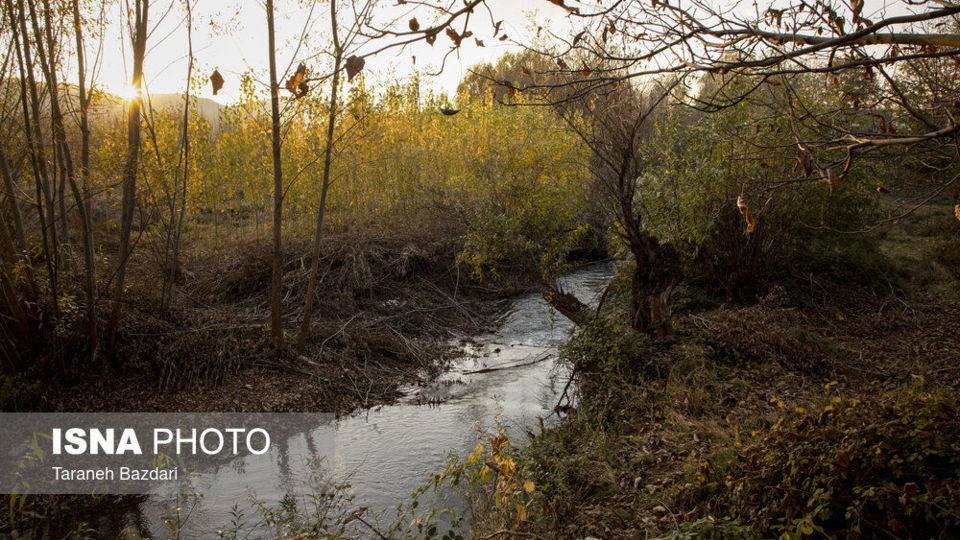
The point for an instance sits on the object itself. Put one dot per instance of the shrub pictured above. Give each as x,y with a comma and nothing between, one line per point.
605,358
886,467
699,165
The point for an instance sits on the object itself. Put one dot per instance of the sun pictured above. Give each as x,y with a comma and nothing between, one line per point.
127,92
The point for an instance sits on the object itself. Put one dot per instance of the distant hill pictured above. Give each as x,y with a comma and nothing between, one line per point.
113,107
107,107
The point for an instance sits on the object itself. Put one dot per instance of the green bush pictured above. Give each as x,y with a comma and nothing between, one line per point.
884,468
605,357
697,167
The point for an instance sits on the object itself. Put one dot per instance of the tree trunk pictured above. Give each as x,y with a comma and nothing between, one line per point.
130,165
83,199
568,305
276,322
34,136
328,157
177,219
656,273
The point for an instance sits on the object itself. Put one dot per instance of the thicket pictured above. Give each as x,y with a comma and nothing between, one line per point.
702,166
489,190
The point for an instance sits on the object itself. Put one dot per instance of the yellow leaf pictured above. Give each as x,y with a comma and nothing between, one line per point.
529,486
745,210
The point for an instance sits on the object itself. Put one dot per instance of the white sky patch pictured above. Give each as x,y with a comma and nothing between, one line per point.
231,36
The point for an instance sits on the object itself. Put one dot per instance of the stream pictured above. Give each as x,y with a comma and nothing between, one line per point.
386,453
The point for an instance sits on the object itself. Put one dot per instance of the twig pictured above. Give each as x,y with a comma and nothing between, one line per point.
540,358
505,532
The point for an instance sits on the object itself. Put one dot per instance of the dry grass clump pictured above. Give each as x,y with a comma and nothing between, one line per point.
769,331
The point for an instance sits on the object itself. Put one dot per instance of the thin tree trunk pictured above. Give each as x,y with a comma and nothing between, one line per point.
327,159
178,228
65,158
130,165
83,199
276,322
12,198
31,119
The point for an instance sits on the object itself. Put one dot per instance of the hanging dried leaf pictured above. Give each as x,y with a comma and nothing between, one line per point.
512,92
454,36
354,65
414,24
447,111
479,42
564,6
504,37
216,80
293,83
745,210
496,28
775,15
956,211
302,89
856,6
525,70
431,38
562,64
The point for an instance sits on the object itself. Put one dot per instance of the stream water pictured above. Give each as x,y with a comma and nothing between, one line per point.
386,453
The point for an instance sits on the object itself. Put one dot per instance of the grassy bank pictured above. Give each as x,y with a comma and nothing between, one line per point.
823,410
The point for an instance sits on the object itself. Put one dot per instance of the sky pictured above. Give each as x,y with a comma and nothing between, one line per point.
231,36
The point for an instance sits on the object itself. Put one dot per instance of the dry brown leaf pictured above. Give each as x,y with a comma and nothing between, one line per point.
856,6
293,83
956,211
217,81
414,24
454,36
354,65
560,3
